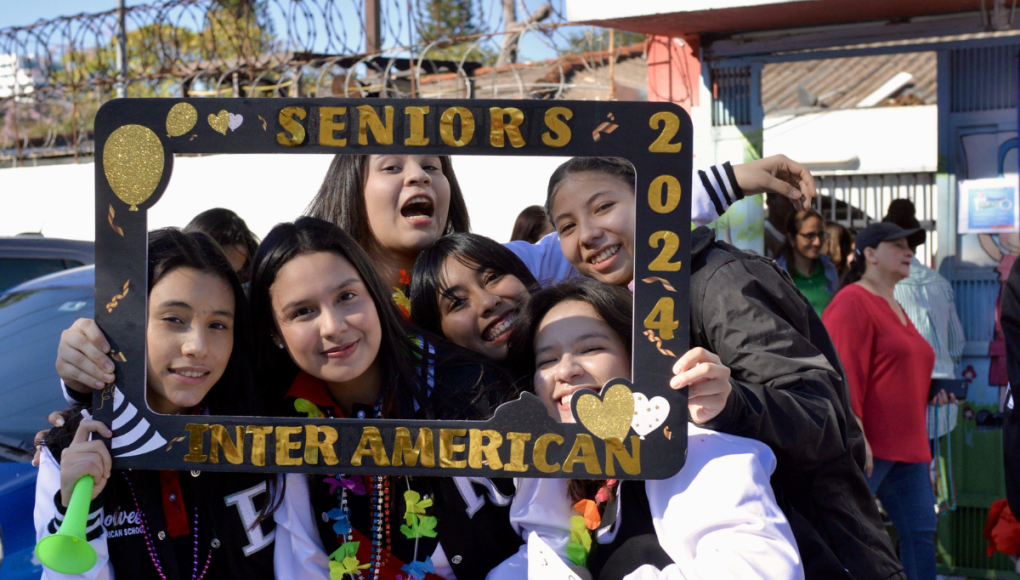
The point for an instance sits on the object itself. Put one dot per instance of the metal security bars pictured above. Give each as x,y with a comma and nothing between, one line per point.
855,201
731,96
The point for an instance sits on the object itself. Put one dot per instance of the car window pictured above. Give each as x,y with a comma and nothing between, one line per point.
30,327
14,271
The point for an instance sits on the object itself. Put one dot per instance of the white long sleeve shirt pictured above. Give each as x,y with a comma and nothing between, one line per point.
716,519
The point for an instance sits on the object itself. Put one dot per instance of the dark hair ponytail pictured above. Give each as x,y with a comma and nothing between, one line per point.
855,273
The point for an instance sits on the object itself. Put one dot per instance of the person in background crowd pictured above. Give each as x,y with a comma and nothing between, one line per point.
532,225
839,247
888,367
231,233
927,299
802,256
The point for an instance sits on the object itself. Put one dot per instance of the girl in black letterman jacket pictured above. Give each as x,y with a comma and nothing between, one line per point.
164,525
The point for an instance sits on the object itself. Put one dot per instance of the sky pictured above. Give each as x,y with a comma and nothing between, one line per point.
20,13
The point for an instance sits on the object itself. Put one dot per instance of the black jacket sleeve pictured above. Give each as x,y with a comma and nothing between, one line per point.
785,394
1010,319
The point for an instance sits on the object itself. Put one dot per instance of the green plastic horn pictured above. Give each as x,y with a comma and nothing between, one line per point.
67,551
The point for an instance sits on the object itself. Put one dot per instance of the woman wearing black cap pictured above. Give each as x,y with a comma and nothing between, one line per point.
888,367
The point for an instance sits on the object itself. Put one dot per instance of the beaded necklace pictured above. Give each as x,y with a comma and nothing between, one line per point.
152,550
379,507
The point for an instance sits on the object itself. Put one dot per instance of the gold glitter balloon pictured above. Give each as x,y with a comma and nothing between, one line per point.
609,417
133,163
181,118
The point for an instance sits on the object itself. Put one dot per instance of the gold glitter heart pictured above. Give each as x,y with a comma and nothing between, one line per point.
220,122
610,416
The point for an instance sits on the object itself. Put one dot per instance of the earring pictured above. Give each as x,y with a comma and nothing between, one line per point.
280,346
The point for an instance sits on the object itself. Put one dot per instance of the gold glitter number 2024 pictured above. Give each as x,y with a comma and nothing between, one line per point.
670,125
661,318
664,194
670,244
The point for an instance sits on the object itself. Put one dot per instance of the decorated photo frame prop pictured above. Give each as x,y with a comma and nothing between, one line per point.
634,430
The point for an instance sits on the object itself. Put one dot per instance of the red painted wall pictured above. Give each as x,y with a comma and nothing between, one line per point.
674,70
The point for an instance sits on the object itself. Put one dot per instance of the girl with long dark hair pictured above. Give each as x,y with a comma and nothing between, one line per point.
470,289
393,206
783,379
329,344
159,525
717,518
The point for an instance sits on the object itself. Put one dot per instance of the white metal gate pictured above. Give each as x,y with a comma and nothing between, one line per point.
857,200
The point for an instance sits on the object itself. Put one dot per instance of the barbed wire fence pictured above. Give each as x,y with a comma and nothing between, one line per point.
55,74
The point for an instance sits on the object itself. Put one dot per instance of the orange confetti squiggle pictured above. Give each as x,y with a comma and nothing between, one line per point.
652,337
110,218
113,302
665,283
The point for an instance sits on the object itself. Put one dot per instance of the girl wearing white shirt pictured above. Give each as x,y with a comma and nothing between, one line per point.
716,518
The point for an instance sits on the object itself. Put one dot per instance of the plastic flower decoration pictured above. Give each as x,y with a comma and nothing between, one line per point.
307,407
342,525
343,561
418,524
580,542
417,570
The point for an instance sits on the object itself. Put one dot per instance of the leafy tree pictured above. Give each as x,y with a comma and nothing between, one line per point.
596,39
441,20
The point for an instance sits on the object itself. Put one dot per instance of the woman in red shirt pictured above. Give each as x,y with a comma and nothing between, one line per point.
888,368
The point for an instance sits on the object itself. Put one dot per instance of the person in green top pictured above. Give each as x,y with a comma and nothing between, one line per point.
812,272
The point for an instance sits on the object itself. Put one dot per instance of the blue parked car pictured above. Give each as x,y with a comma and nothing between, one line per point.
32,316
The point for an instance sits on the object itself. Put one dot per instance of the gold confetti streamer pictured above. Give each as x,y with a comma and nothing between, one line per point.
611,117
119,356
664,432
604,127
115,228
174,440
652,337
113,301
263,122
192,138
106,396
665,283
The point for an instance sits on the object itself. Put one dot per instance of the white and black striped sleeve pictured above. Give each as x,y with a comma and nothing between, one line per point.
49,514
74,397
713,192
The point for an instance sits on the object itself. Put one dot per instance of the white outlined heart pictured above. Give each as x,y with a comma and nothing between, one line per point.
649,415
235,121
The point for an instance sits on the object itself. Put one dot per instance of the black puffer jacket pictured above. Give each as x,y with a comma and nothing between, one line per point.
1010,319
789,392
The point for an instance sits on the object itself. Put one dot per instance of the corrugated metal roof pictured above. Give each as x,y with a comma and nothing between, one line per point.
835,83
842,83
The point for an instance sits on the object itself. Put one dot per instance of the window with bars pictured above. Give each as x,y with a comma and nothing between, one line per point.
983,78
731,96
